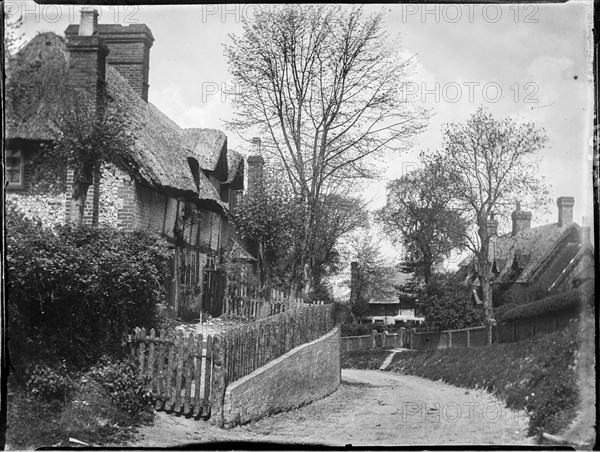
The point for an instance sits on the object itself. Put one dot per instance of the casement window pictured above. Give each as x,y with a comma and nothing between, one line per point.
190,269
13,170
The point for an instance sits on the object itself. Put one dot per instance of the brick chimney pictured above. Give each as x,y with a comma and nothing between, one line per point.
87,54
585,234
565,210
129,51
492,225
256,164
521,220
585,231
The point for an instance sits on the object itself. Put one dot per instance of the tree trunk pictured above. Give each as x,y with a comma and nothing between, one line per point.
484,278
82,179
78,200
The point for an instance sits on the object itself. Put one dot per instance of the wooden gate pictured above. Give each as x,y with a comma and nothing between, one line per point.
178,369
212,297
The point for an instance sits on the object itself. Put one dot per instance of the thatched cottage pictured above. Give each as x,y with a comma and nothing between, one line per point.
172,171
532,263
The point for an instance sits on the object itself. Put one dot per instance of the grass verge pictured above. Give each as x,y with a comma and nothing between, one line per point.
363,359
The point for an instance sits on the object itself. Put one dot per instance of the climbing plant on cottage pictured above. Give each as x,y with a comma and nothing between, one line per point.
84,126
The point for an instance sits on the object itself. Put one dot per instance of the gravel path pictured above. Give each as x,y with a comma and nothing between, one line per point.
371,408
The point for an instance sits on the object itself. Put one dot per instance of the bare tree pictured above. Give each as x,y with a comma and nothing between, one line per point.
324,86
488,166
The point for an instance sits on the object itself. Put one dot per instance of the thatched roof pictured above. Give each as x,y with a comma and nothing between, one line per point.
46,50
235,170
208,145
391,300
530,249
160,155
583,295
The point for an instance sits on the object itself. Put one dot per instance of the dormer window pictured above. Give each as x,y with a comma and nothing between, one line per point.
195,169
13,170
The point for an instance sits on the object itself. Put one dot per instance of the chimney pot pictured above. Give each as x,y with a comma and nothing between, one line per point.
88,24
565,210
256,146
492,225
585,232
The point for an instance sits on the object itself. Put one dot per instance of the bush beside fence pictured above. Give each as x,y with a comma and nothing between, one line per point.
252,346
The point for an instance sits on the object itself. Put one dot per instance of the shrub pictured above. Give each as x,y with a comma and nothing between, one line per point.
73,291
49,383
447,303
579,297
341,313
122,382
90,413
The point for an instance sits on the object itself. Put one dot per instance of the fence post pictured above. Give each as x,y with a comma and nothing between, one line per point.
374,338
449,339
218,384
468,338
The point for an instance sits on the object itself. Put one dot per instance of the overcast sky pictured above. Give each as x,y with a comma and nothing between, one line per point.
528,61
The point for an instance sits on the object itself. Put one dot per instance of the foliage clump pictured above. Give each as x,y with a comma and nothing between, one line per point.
50,383
123,384
74,291
447,303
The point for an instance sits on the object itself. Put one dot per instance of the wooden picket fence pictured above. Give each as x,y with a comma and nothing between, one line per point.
253,345
178,369
243,302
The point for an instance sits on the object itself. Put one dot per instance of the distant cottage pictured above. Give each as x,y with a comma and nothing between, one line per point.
531,263
173,171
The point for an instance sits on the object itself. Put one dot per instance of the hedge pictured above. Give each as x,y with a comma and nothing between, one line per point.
74,291
577,297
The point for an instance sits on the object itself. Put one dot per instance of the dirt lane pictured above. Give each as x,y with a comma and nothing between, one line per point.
374,408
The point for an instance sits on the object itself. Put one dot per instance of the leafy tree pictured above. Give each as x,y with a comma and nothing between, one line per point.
417,215
447,303
322,85
485,161
376,277
269,217
88,128
272,217
338,216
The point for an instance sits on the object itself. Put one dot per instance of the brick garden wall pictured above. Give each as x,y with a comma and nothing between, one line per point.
304,374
